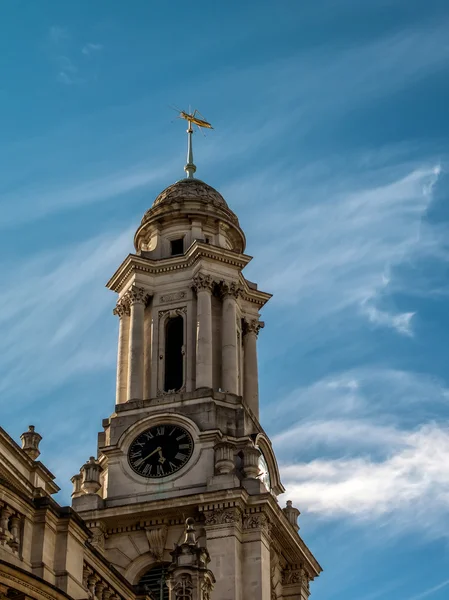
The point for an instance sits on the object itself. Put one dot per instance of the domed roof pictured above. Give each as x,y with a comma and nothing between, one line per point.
189,189
186,190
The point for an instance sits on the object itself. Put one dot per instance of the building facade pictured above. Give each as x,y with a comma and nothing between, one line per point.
181,500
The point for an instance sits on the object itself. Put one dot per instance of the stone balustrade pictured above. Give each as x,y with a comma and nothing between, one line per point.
10,527
97,587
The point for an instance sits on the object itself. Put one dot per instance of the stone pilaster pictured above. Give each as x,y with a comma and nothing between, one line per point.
223,526
295,583
256,556
229,364
137,298
251,377
203,285
122,310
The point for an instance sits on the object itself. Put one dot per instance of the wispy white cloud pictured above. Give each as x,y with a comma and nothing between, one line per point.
91,47
334,246
430,591
56,328
381,449
58,34
55,197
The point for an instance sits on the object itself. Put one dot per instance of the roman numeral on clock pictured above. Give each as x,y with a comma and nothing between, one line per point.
180,456
159,470
160,431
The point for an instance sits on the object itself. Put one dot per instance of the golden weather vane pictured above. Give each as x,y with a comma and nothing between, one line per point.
192,119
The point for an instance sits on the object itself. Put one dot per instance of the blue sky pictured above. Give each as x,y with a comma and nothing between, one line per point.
330,143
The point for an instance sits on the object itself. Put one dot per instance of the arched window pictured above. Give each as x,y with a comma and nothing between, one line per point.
174,359
154,582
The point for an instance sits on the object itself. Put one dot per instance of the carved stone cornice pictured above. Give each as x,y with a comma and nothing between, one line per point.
252,326
230,288
202,282
223,516
136,295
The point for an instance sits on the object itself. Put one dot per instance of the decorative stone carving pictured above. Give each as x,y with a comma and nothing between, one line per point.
252,326
136,295
203,282
206,589
224,458
225,516
122,308
98,530
188,575
255,521
76,481
291,576
292,514
156,541
296,575
172,313
173,297
230,288
183,588
90,473
251,456
30,442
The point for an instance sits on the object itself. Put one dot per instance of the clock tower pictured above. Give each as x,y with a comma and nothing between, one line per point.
184,440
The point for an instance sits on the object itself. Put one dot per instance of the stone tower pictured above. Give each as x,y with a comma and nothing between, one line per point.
184,440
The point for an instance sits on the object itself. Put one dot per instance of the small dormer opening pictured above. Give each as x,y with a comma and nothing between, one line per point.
174,359
177,246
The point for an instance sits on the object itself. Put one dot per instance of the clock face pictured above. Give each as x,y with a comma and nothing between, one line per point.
160,450
264,474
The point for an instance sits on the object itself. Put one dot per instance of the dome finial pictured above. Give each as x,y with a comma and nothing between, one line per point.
192,119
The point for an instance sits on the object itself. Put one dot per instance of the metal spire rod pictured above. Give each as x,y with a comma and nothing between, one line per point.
190,167
192,119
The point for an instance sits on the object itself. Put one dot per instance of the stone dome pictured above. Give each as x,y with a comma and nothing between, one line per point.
188,189
192,210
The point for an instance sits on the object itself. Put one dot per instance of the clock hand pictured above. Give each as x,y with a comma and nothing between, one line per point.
161,458
158,449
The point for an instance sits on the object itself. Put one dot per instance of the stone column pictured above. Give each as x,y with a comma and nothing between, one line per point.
203,286
137,297
229,366
250,376
123,312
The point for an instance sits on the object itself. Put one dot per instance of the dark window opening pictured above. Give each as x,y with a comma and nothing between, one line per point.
207,241
153,582
174,342
177,246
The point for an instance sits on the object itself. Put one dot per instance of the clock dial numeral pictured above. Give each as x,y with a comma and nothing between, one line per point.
161,450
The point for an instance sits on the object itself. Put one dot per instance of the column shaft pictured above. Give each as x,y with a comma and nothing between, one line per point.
251,377
122,357
137,298
229,368
204,339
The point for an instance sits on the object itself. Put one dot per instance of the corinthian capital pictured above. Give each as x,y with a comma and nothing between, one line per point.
121,308
203,282
136,295
230,288
252,326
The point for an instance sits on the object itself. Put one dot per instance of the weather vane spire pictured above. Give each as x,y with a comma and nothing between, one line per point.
192,119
